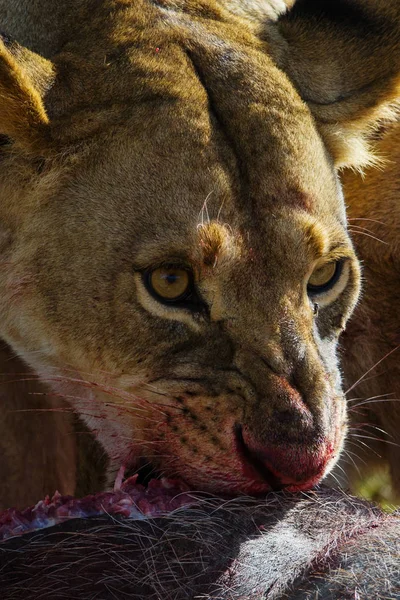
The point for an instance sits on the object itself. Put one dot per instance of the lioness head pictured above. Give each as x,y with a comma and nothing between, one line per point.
175,258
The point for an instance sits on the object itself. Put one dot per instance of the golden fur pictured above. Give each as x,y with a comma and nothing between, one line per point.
202,134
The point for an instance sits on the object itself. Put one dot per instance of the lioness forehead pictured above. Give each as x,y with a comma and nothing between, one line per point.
167,183
208,115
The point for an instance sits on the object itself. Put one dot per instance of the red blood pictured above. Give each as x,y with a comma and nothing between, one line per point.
131,500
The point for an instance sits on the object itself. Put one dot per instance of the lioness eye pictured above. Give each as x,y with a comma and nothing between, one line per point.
324,278
169,284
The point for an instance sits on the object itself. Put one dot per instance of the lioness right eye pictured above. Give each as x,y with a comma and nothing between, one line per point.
169,284
324,278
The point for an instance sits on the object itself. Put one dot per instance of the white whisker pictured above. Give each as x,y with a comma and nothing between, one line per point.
371,369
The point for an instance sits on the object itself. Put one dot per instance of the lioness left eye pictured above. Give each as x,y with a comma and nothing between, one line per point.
324,278
169,284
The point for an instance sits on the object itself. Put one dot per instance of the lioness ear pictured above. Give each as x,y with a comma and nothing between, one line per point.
344,58
24,79
260,10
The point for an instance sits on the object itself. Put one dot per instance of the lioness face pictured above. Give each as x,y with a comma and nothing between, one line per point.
188,305
180,268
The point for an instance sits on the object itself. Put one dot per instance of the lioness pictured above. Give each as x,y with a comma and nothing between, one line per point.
175,260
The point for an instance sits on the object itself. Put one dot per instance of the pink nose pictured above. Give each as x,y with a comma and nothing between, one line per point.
289,466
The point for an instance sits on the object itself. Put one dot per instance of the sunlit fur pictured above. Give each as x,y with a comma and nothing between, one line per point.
172,134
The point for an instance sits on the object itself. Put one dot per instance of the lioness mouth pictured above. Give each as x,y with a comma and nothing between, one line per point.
258,465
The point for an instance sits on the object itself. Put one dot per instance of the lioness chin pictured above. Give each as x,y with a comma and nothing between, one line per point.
175,260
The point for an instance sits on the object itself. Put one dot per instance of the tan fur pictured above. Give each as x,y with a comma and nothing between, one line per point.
348,77
172,132
27,126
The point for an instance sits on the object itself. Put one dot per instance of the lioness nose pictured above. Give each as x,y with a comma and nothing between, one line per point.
281,465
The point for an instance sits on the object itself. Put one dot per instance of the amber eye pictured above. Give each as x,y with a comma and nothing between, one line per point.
324,278
170,284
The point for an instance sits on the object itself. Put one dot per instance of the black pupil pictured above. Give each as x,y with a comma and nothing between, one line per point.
171,278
